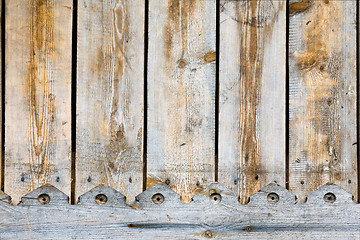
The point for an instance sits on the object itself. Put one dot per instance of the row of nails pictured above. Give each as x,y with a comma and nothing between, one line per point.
158,198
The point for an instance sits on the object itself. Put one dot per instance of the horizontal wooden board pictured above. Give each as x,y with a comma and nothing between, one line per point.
203,218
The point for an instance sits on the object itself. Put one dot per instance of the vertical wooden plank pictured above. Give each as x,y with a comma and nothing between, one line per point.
110,96
252,95
322,128
38,95
181,94
2,167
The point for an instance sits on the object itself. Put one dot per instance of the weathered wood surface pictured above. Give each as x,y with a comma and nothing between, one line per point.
181,94
205,217
322,128
38,95
110,96
252,95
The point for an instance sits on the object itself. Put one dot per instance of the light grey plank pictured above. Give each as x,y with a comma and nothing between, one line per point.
322,97
252,95
181,94
110,96
203,218
38,95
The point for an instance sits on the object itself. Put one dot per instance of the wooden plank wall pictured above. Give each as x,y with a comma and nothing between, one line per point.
182,92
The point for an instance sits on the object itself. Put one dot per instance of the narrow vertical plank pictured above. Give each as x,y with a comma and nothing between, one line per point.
322,128
38,95
2,167
110,96
252,95
181,94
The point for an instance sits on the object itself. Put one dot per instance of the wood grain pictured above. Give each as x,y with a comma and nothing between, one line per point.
252,95
181,94
322,43
110,100
201,219
38,95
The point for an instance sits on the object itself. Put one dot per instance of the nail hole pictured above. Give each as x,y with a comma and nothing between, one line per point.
302,182
130,180
101,199
216,198
167,181
57,179
89,179
256,177
22,179
273,198
248,229
209,234
158,198
329,197
44,198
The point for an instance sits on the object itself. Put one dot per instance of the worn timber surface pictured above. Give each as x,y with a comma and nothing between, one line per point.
110,96
38,95
214,213
252,95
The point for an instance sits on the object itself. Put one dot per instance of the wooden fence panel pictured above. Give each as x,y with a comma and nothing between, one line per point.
322,128
110,96
181,94
38,95
252,95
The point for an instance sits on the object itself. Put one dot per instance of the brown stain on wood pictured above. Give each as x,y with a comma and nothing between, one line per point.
150,182
210,57
39,88
251,60
180,13
299,7
320,68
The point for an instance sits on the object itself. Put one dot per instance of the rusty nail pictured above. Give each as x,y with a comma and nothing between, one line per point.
209,234
101,199
273,198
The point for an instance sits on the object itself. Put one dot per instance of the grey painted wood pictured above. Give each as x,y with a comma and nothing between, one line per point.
200,219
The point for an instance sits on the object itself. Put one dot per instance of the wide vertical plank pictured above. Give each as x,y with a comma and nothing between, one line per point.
181,94
110,96
252,95
322,128
38,95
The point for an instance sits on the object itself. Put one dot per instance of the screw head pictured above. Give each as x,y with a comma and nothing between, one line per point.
329,197
158,198
44,198
273,197
216,198
101,199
